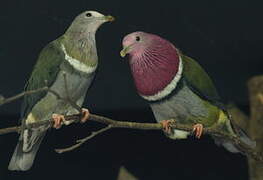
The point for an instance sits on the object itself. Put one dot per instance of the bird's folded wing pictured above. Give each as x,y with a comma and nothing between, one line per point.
44,74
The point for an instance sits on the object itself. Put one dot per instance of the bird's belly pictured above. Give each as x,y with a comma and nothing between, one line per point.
76,88
182,106
73,85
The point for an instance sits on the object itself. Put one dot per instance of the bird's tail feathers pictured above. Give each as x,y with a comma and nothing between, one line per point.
25,151
244,138
247,140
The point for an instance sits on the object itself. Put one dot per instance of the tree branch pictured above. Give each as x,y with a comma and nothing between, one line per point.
255,87
214,131
4,100
134,125
82,141
100,119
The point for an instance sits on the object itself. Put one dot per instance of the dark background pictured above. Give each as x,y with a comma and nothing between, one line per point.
224,36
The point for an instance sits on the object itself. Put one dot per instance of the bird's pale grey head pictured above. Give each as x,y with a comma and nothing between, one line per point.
88,21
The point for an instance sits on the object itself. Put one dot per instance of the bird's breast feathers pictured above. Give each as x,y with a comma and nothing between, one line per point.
169,87
76,64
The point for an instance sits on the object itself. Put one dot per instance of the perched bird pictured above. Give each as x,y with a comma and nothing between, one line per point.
177,87
74,56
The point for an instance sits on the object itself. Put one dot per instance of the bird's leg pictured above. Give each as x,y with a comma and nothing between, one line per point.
58,119
198,129
166,126
85,115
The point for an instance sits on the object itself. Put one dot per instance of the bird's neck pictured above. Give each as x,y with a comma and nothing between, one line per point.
81,46
157,75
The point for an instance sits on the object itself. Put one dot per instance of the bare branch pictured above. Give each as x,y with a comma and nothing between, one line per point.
82,141
254,129
215,131
16,129
142,126
100,119
66,85
68,99
4,100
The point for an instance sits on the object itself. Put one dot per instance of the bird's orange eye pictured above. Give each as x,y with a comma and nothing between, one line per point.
88,14
137,38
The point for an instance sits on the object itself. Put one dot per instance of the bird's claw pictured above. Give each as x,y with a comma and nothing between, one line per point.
166,126
85,115
58,120
198,130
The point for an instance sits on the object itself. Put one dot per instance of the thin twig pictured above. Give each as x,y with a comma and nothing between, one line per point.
82,141
68,99
74,105
4,100
66,85
49,122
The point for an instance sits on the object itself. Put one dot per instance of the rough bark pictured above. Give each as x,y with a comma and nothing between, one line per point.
255,125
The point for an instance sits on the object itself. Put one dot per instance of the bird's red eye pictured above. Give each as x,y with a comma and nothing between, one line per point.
137,38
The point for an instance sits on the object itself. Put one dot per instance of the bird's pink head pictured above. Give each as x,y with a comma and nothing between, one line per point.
154,61
135,43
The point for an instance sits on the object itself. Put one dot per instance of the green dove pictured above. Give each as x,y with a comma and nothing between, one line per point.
73,55
177,87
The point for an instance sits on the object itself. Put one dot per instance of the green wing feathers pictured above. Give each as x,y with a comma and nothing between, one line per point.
198,79
44,73
202,85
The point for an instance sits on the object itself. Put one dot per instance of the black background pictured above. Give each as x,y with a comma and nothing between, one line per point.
225,37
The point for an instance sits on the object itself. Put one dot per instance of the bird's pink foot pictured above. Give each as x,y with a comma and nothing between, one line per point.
58,119
166,126
198,129
85,115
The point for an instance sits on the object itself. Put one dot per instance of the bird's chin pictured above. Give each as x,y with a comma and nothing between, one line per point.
132,61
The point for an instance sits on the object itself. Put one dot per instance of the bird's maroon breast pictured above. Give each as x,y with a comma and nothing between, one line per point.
154,72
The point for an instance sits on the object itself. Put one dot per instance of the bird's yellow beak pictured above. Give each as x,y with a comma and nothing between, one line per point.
109,18
124,51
